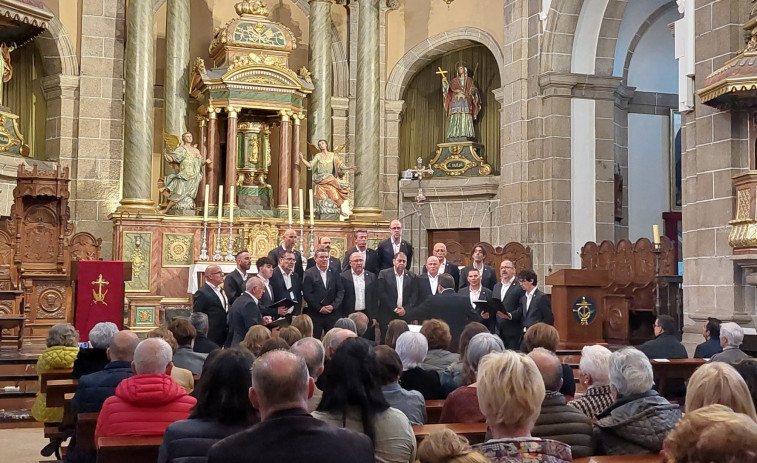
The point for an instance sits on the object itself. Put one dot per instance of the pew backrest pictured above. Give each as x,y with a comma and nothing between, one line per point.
128,449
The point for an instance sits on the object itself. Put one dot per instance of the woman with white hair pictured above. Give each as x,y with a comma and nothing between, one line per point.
594,374
412,348
731,336
94,357
639,420
461,406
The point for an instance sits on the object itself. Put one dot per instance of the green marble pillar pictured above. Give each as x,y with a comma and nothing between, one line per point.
138,112
367,122
319,62
176,91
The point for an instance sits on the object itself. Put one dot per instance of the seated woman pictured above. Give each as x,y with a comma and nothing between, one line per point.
304,323
412,348
223,408
452,377
438,336
461,405
547,337
719,383
510,392
62,349
446,446
639,420
410,403
393,331
593,372
353,400
256,336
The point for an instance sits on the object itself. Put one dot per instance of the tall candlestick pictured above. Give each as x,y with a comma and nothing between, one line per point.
231,204
656,234
302,207
220,203
207,200
312,209
289,205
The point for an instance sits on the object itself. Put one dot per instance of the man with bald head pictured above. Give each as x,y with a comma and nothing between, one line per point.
246,312
446,266
334,263
360,289
280,390
557,420
427,284
288,241
388,248
212,301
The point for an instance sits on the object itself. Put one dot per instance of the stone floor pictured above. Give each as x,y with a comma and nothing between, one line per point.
22,445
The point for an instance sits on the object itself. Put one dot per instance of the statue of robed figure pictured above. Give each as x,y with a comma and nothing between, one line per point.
330,188
181,188
462,102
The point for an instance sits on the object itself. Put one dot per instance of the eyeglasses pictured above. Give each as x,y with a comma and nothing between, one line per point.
395,228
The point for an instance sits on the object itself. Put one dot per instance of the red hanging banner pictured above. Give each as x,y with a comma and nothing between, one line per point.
99,295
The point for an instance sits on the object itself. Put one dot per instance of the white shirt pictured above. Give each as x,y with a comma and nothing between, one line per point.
396,247
399,279
505,286
244,274
359,282
267,286
529,298
480,270
434,282
442,265
287,278
474,296
324,277
220,295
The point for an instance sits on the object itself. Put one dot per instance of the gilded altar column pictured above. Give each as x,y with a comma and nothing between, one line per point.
202,123
367,122
296,119
138,112
285,133
231,154
214,153
319,62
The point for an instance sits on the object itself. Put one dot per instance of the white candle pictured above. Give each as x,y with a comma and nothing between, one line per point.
656,233
312,209
302,207
220,202
289,205
207,200
231,205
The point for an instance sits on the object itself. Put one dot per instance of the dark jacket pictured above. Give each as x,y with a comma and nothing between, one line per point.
292,436
425,382
486,294
233,286
386,253
317,295
188,441
451,269
453,308
635,424
371,295
334,263
387,290
664,346
509,330
280,291
276,253
371,262
560,422
708,348
488,277
204,345
423,288
186,358
243,314
94,388
206,301
89,361
540,310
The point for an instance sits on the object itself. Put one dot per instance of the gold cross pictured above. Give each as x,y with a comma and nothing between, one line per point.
99,296
442,73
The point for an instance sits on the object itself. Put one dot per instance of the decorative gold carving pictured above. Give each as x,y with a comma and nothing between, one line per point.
177,249
137,261
455,164
338,247
99,296
259,239
199,66
50,302
744,198
251,7
305,74
7,139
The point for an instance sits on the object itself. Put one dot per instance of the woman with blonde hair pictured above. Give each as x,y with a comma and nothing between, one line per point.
446,446
393,331
256,336
719,383
304,323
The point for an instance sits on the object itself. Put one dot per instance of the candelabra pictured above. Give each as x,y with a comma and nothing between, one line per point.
217,256
657,250
302,238
312,246
230,247
204,249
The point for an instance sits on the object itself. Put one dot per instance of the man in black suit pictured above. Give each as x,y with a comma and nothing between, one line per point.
323,291
265,273
396,287
665,345
280,391
288,240
711,345
245,312
475,291
488,277
202,344
370,256
446,266
359,289
286,283
508,291
210,300
334,263
388,248
534,305
234,283
446,305
427,283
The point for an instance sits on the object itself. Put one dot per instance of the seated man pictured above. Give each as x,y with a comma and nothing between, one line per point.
711,344
557,420
312,351
665,345
185,357
145,404
202,344
731,337
411,403
280,390
93,358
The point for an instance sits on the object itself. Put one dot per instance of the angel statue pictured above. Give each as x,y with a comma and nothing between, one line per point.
328,174
181,188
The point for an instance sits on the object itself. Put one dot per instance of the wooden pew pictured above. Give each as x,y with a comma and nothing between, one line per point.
474,432
52,375
434,411
57,389
654,458
85,430
128,449
45,379
669,374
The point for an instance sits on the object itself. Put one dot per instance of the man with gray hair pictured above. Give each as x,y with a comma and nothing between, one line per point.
146,403
246,312
93,358
280,390
731,337
311,350
202,344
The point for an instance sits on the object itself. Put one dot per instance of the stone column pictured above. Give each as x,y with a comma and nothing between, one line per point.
214,153
176,91
231,154
284,154
296,118
138,125
319,62
367,124
202,140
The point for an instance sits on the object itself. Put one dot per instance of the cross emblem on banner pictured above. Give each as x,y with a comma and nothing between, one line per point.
99,296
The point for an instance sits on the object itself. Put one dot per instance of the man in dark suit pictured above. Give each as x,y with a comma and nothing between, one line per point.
446,305
396,287
488,277
288,240
370,256
245,312
334,263
280,391
475,291
265,272
665,345
322,290
446,266
202,344
359,289
211,300
508,291
534,305
392,245
711,344
234,283
427,283
286,283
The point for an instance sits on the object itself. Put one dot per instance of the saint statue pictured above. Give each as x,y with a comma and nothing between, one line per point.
181,188
462,102
328,178
6,70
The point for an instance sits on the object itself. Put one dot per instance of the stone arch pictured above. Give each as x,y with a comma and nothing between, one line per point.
58,56
640,33
559,31
608,36
428,50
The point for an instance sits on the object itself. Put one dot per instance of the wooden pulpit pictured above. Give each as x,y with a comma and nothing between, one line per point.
99,293
577,304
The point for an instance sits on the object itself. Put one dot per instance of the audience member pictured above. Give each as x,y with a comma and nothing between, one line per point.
547,337
714,433
146,403
290,334
510,391
461,406
255,338
711,344
312,351
665,345
747,368
91,359
280,390
274,344
452,377
731,336
361,323
394,330
639,420
202,344
338,338
719,383
346,324
438,336
594,374
556,419
412,348
222,409
185,357
327,340
447,447
181,375
62,347
354,400
304,323
411,403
